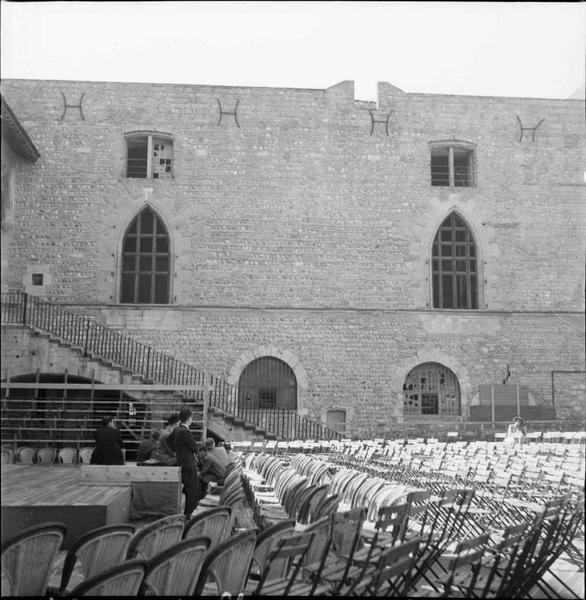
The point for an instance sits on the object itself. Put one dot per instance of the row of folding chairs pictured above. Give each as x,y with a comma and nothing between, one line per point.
28,455
355,487
28,558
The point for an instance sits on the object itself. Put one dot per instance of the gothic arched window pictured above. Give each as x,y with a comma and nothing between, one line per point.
454,265
145,261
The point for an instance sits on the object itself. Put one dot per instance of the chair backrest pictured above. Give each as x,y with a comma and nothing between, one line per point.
122,580
392,575
6,457
225,568
176,570
97,551
27,559
308,508
213,523
67,456
266,542
468,559
328,506
85,455
156,537
285,561
392,517
46,456
232,476
346,534
506,556
318,549
25,455
418,502
291,495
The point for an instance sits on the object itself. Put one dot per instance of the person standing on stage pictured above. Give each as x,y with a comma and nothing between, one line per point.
109,444
165,454
182,442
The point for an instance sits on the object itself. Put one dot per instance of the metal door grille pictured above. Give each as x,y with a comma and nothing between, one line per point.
431,389
268,383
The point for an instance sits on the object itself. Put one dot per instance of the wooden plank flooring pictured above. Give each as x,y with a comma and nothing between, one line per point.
28,485
39,494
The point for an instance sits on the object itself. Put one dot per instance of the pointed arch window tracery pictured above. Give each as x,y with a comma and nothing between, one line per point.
454,265
146,271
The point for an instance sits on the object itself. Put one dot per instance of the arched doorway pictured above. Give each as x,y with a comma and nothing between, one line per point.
267,383
431,389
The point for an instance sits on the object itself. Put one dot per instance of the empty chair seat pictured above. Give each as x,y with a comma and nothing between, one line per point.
46,456
25,455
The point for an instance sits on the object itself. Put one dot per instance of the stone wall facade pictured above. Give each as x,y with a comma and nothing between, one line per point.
301,227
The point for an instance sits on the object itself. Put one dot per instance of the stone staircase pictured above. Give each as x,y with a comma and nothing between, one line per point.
102,354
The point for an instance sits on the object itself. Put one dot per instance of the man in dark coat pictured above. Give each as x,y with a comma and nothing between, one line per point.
210,469
109,444
182,443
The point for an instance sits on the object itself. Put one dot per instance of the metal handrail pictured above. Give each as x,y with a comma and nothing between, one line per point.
98,340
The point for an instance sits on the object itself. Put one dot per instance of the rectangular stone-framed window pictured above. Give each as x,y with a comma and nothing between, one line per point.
149,156
37,279
452,164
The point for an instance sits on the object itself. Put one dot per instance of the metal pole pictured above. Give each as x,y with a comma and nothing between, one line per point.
24,309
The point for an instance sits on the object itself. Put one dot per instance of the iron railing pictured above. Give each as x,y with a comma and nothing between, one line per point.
287,424
100,341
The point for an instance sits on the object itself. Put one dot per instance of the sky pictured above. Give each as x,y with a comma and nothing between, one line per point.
473,48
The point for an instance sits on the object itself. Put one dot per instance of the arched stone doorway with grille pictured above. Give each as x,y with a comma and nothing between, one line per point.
267,383
431,389
277,374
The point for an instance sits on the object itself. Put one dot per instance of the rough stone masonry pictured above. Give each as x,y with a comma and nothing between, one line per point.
300,225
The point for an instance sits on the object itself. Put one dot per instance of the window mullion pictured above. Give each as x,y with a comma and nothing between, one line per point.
468,273
149,157
137,258
451,165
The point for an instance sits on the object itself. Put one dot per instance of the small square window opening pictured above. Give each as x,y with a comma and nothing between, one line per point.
452,166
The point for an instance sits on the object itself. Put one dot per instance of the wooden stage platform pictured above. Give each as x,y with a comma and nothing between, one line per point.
37,494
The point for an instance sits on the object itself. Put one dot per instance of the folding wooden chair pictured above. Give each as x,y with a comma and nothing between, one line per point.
462,568
339,569
226,567
96,551
176,570
46,456
265,544
284,565
85,455
308,507
156,537
67,456
500,562
390,576
27,559
25,455
122,580
568,525
214,523
388,530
